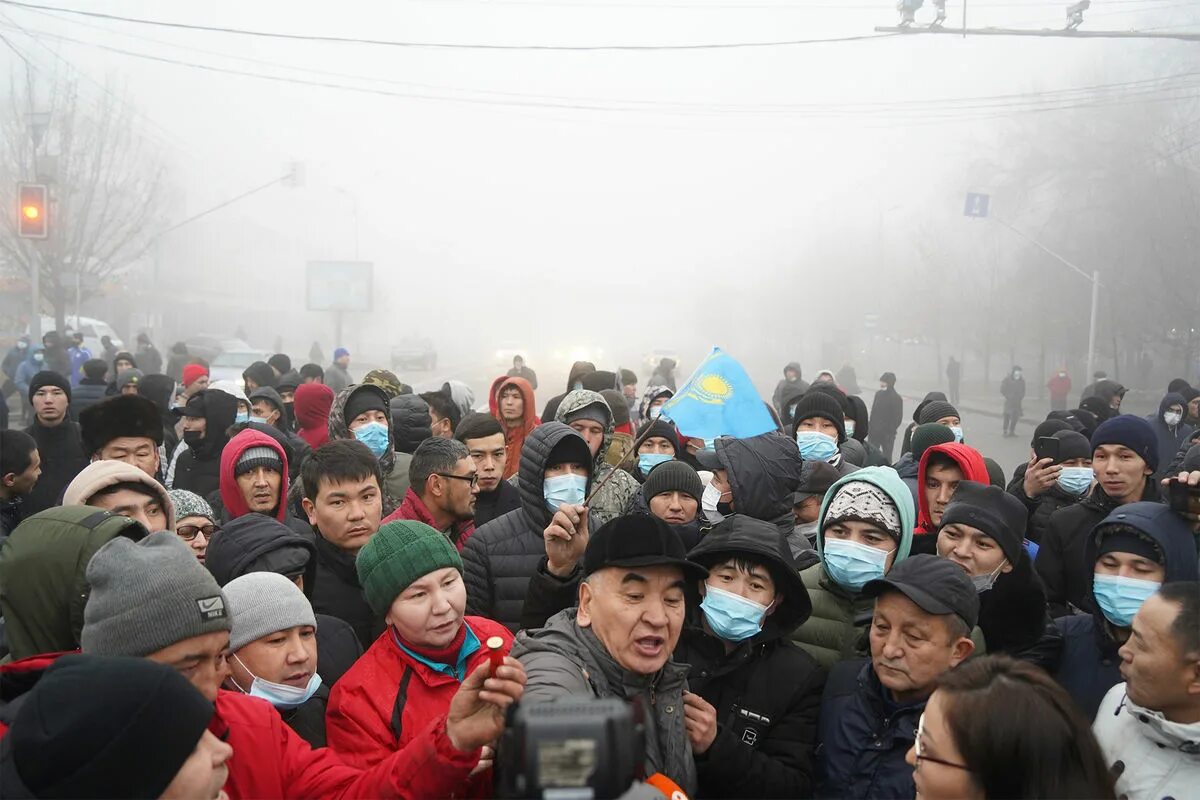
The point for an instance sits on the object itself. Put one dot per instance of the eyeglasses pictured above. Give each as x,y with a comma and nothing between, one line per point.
922,757
473,478
188,532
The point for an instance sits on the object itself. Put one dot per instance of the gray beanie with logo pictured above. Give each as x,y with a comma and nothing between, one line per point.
148,595
263,603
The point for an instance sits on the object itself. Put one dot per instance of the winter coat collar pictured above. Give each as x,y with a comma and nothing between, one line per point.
1183,737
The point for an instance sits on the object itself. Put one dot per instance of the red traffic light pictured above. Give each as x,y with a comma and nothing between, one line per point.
31,219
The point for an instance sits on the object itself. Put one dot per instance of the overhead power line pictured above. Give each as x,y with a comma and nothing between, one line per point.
445,45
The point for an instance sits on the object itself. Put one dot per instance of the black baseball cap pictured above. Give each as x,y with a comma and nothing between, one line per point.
638,540
195,406
937,585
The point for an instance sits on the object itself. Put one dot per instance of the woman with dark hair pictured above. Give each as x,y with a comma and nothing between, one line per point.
1000,728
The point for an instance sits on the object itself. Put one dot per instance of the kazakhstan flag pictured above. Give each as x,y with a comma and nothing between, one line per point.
719,400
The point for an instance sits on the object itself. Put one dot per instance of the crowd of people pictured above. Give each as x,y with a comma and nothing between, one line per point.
302,585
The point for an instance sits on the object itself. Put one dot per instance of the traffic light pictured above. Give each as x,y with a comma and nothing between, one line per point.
32,218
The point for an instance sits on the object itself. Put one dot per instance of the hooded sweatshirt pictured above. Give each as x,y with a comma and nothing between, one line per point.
616,495
1090,665
395,480
231,493
973,468
100,475
43,585
1170,437
575,376
514,435
198,469
837,629
312,404
764,473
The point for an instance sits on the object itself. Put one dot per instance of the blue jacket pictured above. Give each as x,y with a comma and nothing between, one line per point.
29,367
1089,665
864,736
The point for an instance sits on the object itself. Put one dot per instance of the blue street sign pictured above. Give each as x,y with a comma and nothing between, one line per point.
977,205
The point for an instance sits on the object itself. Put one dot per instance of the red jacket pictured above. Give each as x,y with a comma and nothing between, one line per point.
271,760
387,683
514,437
231,494
969,460
1059,385
313,401
413,508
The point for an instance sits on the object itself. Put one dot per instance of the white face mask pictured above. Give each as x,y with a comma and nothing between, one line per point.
1172,418
709,502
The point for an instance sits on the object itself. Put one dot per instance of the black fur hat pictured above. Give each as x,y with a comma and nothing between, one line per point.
123,415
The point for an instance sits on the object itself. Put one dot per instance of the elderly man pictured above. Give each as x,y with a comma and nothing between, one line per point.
925,609
618,641
443,488
125,428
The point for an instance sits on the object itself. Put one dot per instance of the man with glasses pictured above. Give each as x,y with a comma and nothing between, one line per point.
925,609
484,438
443,488
195,522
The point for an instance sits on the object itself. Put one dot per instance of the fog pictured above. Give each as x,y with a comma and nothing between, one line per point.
760,198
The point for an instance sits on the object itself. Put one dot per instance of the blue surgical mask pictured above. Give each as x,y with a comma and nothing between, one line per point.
957,431
564,489
648,461
259,420
1075,480
655,412
1120,598
731,616
281,695
375,436
241,417
816,446
850,429
710,445
851,564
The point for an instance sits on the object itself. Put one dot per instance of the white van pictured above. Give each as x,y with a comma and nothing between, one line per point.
92,329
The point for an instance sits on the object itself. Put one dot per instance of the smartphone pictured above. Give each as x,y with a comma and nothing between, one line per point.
1184,499
1046,447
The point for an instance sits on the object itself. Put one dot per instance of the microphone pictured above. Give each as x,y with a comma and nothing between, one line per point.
669,788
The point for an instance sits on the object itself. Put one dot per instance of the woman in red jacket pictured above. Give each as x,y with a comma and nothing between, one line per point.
412,576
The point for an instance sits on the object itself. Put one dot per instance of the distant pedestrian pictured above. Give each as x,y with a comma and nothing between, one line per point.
520,370
336,375
1059,386
1013,389
887,412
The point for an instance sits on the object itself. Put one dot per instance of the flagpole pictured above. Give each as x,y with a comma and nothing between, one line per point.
632,451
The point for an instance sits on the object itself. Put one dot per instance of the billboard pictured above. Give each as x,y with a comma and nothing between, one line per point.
339,285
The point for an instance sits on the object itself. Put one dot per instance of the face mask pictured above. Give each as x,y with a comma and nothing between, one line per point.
375,436
193,438
731,616
849,428
648,461
957,431
1172,418
560,489
1017,375
1075,480
576,386
883,387
709,502
656,412
281,695
816,446
22,345
241,417
710,445
985,582
38,358
851,564
1120,598
263,420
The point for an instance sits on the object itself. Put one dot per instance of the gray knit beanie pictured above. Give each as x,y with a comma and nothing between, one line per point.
149,595
190,504
263,603
257,456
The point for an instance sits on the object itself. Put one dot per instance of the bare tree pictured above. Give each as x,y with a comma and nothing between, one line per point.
106,188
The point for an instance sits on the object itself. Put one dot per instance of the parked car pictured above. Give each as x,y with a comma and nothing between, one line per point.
209,346
414,353
229,365
92,329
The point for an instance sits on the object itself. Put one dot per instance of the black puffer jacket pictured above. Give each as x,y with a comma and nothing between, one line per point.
501,557
410,422
61,449
767,691
198,470
764,473
1040,508
257,543
1014,619
1061,564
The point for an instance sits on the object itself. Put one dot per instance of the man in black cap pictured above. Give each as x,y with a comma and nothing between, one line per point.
943,413
627,624
925,609
1072,480
124,428
58,440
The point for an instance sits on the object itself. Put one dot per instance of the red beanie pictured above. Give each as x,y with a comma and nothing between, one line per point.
192,373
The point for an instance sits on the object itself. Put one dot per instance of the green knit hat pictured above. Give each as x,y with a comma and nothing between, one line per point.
399,554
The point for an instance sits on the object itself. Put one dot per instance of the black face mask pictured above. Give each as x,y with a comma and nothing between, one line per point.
193,439
289,416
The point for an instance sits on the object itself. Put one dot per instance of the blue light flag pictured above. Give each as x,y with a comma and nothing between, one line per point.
719,400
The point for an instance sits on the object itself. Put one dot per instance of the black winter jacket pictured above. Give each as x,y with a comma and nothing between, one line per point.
338,593
198,470
1014,619
864,736
61,451
1040,508
1061,564
887,411
255,543
501,556
86,395
497,503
